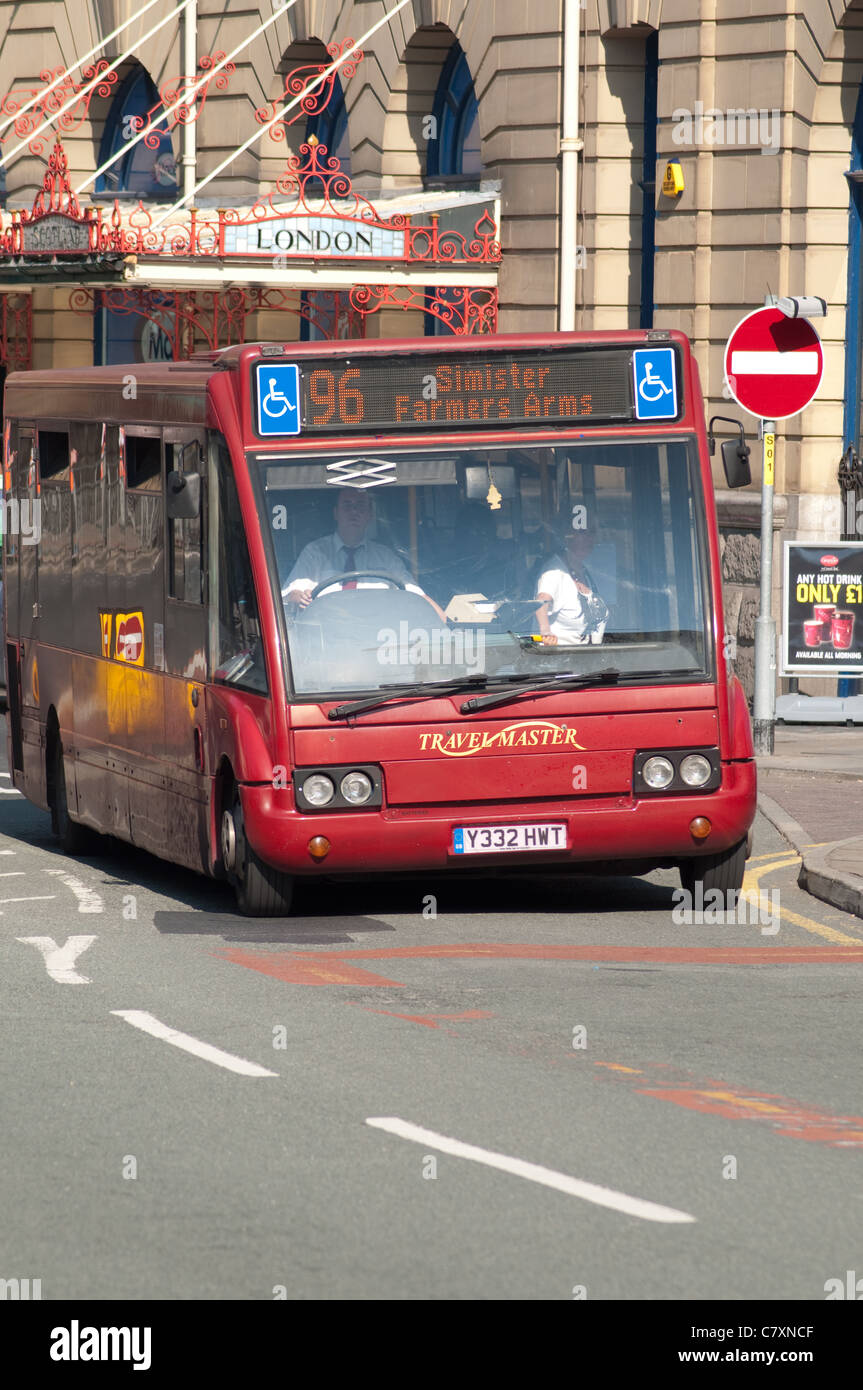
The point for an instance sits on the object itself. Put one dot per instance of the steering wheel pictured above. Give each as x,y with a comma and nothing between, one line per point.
354,574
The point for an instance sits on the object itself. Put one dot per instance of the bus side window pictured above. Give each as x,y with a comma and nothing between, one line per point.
57,543
11,489
54,456
144,462
238,629
185,541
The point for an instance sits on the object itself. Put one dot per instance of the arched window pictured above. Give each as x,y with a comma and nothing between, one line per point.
455,151
142,172
331,126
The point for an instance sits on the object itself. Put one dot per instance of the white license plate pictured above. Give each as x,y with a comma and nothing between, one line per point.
503,839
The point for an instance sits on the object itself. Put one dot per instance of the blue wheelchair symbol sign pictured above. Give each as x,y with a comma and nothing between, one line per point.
655,383
278,387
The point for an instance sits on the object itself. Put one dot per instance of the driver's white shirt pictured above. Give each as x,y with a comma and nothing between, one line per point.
320,559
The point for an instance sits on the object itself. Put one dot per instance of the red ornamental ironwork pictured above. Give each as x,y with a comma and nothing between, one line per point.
34,121
465,309
312,185
196,319
176,90
54,198
190,319
16,331
431,244
313,103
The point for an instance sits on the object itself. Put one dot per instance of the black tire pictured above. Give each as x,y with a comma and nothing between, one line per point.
260,890
723,871
74,838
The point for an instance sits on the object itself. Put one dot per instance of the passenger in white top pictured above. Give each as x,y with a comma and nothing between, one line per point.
345,551
573,614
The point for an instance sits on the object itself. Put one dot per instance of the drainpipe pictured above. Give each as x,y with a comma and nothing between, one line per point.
189,158
570,145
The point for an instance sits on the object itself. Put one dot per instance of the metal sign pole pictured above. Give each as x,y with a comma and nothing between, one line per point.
764,709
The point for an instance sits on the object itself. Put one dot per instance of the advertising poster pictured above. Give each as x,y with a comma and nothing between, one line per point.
822,607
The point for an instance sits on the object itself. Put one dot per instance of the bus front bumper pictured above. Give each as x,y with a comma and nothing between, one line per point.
600,830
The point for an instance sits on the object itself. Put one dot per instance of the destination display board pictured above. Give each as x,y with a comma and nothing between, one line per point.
625,385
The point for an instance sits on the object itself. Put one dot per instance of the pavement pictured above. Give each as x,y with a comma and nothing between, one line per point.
811,790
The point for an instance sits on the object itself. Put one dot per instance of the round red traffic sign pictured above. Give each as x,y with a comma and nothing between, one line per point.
773,364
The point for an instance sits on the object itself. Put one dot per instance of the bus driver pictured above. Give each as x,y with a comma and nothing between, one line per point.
344,552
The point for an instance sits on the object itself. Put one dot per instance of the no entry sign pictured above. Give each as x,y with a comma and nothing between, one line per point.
773,364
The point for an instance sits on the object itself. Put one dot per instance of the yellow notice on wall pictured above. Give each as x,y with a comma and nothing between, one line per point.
672,184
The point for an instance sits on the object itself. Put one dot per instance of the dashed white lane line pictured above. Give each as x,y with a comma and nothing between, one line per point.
10,791
533,1172
35,898
60,960
8,851
13,873
88,899
148,1024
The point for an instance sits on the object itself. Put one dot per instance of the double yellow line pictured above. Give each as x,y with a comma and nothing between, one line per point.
757,868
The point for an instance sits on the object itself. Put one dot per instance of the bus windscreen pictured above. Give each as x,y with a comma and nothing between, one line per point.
426,565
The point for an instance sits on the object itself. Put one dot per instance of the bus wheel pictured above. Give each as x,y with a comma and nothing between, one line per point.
260,890
723,871
74,838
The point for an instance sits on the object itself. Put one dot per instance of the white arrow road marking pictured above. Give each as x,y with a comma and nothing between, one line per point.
534,1172
60,960
88,898
148,1024
774,363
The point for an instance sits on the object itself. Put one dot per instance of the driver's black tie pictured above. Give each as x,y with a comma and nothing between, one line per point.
350,564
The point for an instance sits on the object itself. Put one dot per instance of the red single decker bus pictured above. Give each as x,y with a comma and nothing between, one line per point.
376,607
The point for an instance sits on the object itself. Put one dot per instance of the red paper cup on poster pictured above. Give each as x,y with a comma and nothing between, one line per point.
823,613
813,631
842,629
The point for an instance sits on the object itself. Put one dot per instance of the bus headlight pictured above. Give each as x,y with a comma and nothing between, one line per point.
658,773
342,788
695,770
676,771
318,790
356,788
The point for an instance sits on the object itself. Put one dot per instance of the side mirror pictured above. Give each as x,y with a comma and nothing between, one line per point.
735,454
183,499
735,461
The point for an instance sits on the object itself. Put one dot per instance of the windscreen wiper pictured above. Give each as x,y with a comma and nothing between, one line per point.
418,690
547,685
543,685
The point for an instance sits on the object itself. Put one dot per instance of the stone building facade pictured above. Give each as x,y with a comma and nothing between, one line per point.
759,105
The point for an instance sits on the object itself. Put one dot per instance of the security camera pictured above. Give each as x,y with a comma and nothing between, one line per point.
803,306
